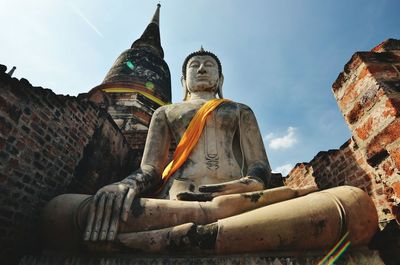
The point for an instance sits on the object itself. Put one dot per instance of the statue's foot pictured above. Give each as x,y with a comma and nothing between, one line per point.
172,239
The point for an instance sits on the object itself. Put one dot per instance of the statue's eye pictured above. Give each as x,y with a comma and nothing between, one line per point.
194,64
209,64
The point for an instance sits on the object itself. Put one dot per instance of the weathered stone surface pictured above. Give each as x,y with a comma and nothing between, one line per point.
352,257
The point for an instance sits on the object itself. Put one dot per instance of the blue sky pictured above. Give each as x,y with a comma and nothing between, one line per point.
279,57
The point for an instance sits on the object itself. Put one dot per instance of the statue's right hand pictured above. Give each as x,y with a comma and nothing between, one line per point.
110,204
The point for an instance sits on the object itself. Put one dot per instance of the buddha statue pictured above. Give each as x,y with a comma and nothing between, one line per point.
213,195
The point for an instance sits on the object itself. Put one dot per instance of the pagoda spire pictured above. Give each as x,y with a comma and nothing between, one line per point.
156,16
151,36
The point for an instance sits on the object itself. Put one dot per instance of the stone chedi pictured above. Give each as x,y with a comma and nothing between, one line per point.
214,195
136,85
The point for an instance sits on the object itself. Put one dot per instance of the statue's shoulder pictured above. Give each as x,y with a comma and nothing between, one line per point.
174,107
160,111
241,107
175,110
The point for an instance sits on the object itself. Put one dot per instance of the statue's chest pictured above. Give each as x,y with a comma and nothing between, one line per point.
221,121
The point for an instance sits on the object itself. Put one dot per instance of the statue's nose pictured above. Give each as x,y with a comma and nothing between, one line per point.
201,69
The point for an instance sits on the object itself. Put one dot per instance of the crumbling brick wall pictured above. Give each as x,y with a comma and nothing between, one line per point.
368,95
49,144
343,166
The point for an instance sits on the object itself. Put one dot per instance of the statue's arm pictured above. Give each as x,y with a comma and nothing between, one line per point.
155,156
113,202
252,146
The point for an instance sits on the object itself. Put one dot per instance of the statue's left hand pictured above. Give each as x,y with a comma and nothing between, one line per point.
208,192
110,204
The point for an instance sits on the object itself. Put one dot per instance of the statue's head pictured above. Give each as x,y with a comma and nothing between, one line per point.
202,71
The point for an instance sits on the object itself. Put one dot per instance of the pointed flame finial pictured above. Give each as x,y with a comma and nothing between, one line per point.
201,49
156,17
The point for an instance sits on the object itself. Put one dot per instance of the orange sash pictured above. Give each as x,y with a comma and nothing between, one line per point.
190,137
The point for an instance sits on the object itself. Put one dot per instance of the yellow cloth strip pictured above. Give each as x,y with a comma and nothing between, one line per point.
190,137
128,90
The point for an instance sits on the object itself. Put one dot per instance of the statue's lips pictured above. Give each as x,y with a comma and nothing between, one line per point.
202,78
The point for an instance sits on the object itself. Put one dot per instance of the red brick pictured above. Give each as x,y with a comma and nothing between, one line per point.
388,168
25,119
363,74
380,47
349,96
5,126
390,134
392,107
35,118
395,155
353,64
356,113
4,105
379,190
367,177
369,188
396,189
354,90
365,130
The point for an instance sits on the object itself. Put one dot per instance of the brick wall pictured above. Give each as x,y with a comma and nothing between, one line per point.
49,144
343,166
368,95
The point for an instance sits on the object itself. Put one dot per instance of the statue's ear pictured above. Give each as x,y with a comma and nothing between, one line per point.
185,90
219,89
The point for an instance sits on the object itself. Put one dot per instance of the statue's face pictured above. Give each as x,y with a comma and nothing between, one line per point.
202,74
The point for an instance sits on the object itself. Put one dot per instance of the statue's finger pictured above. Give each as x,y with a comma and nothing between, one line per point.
192,196
99,217
130,195
116,212
107,216
90,218
212,188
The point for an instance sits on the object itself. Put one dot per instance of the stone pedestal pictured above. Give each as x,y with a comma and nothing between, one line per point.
361,256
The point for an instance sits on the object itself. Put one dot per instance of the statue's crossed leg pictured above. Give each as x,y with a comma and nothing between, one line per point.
272,219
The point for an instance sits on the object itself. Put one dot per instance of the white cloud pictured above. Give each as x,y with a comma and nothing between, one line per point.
269,136
283,142
284,169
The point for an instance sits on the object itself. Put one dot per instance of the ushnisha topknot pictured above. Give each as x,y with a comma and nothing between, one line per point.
201,52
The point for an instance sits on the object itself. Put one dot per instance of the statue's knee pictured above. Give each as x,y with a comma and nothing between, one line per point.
64,215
